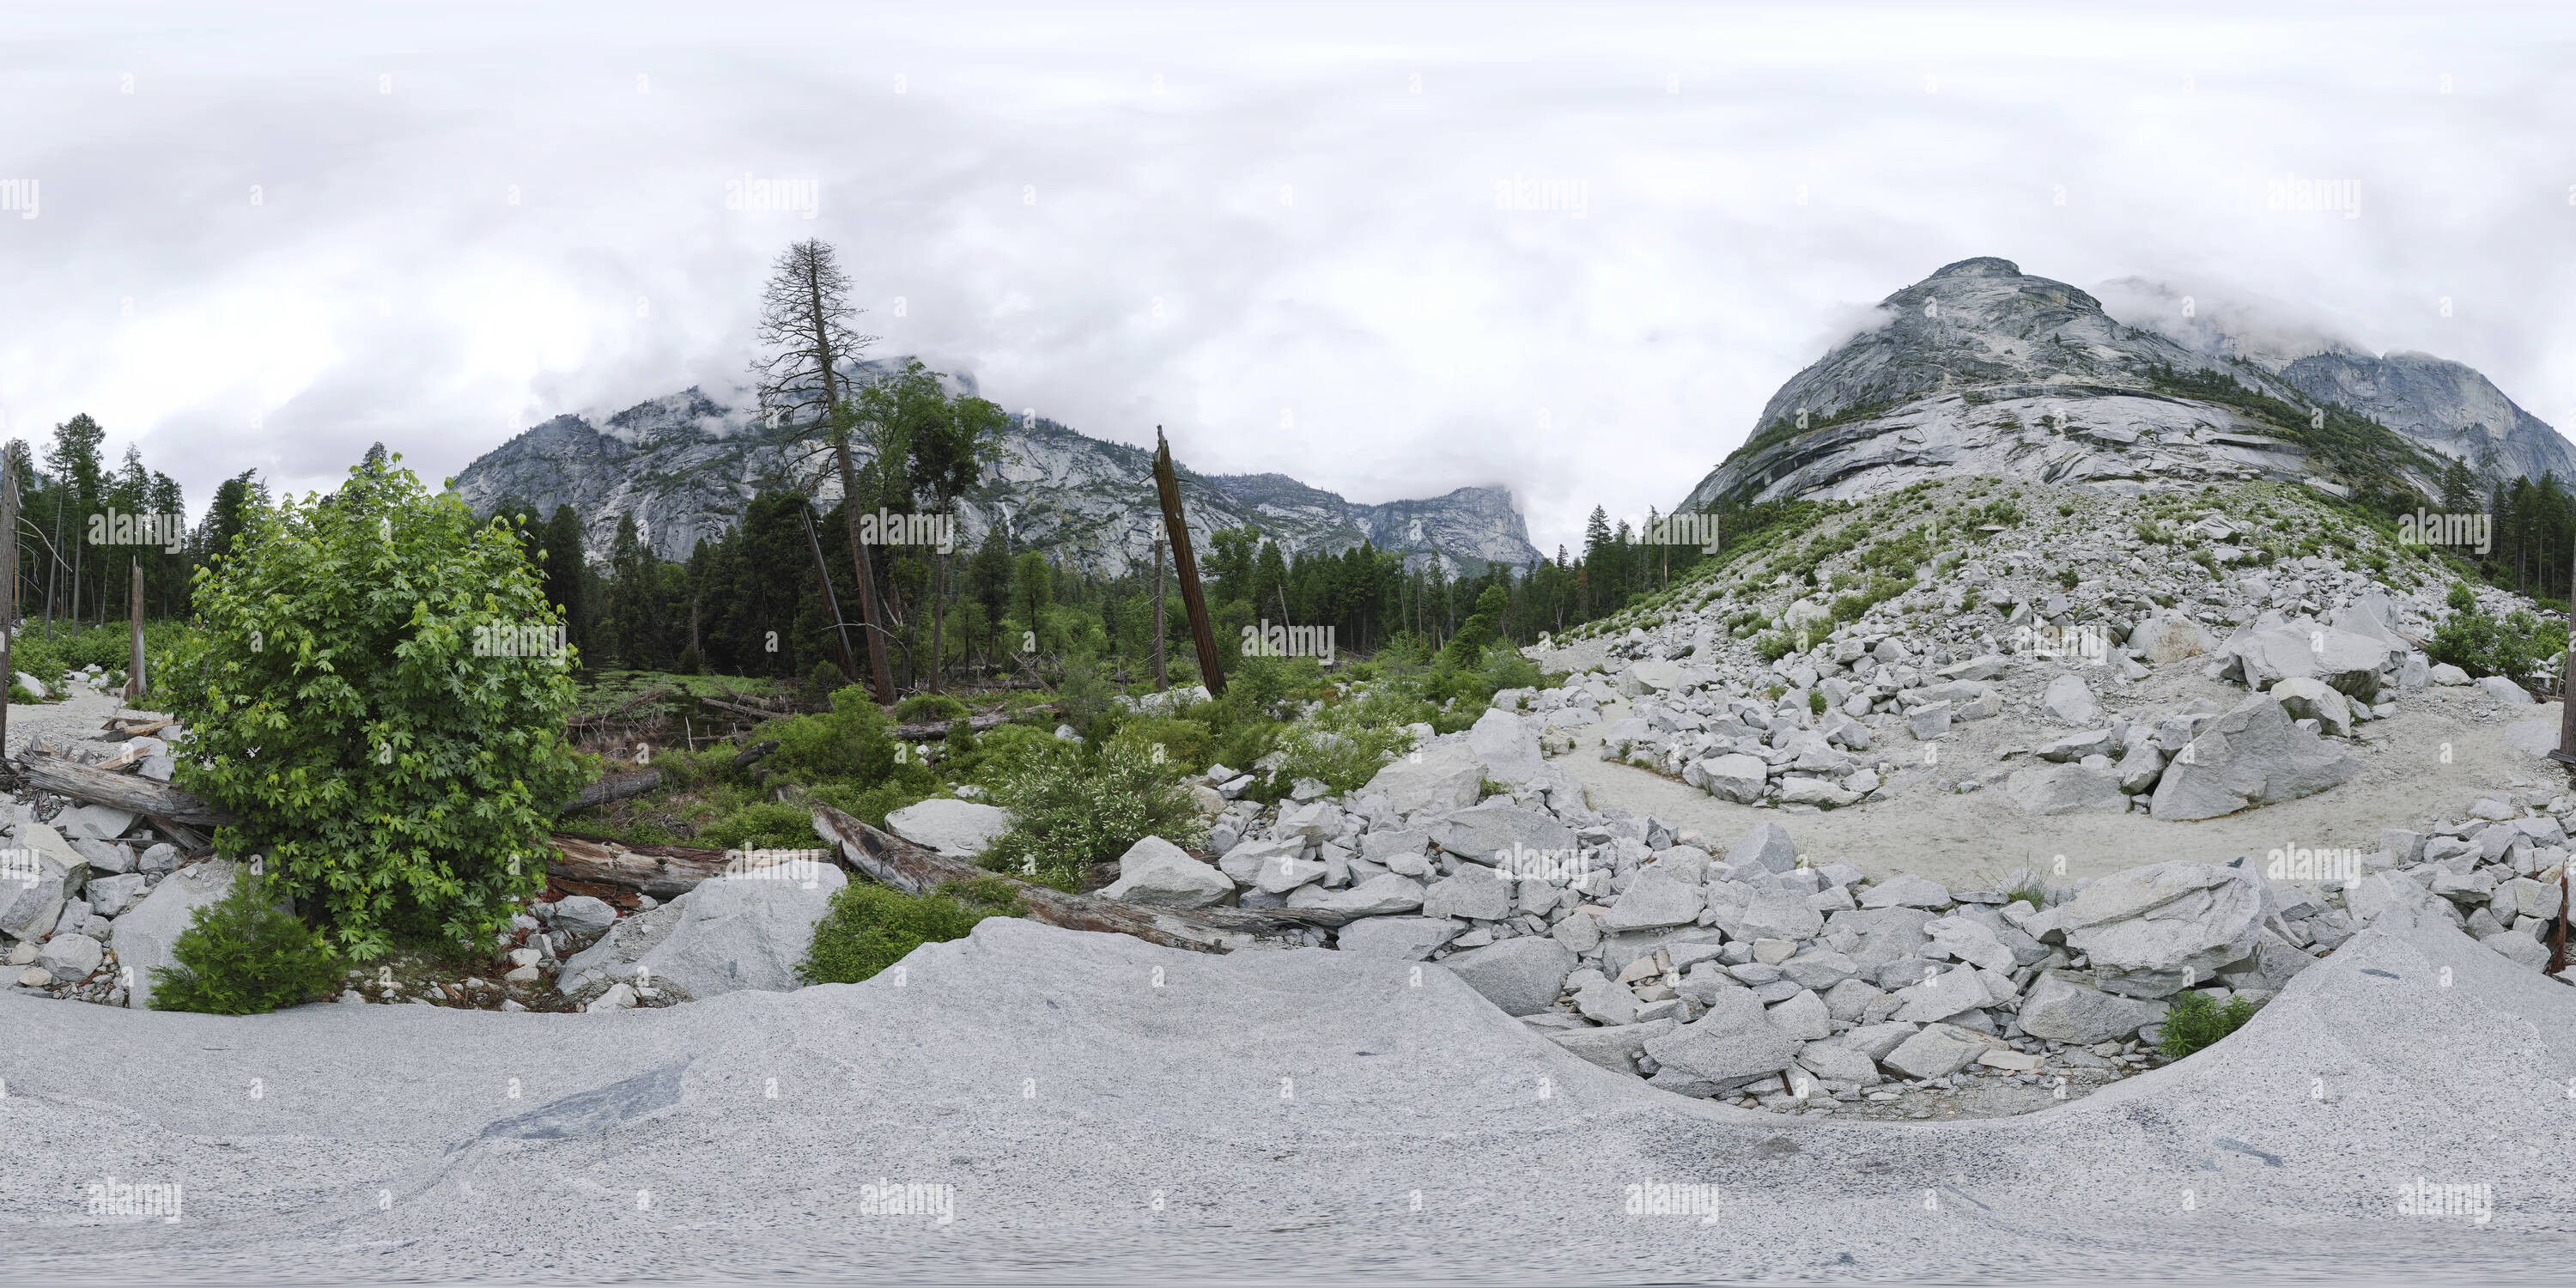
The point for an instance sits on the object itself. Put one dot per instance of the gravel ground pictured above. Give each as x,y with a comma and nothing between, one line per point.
1109,1111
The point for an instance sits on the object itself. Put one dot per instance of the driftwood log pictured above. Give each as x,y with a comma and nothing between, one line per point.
893,861
637,782
662,871
64,776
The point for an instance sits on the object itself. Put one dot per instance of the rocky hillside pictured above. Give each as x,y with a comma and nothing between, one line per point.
1983,370
684,464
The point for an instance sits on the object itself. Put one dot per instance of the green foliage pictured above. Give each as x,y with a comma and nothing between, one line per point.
922,708
826,678
1771,646
2514,647
1187,744
1074,809
1345,744
336,705
2029,892
1816,702
854,741
2461,598
242,955
2196,1022
870,927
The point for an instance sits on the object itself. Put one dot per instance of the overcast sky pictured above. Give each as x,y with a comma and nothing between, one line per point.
1387,249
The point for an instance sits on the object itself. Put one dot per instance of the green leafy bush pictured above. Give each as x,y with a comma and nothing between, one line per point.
1186,744
336,702
2481,645
1075,808
854,740
2196,1022
2461,599
243,955
825,678
870,927
922,708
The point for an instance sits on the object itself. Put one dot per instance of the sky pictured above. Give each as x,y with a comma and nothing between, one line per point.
1389,250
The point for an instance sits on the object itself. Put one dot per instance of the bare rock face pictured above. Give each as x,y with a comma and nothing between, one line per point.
680,465
2155,931
2254,755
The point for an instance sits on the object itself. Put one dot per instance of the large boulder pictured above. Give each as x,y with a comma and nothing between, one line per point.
729,934
1736,777
1406,939
2065,789
958,829
2156,930
43,873
2168,637
1379,896
2306,697
1473,891
144,936
1764,914
1767,847
1508,745
2254,755
2069,702
1443,776
2066,1008
2350,662
1734,1043
1523,976
1156,872
1654,898
1501,832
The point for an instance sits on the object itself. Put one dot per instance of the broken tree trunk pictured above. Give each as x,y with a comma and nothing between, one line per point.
1167,485
893,861
66,777
9,593
1162,678
932,729
637,782
662,871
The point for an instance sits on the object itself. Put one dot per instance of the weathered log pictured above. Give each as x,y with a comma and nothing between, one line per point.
739,709
66,777
929,730
638,782
893,861
662,871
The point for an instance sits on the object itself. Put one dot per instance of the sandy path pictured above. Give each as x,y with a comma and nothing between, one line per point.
1973,840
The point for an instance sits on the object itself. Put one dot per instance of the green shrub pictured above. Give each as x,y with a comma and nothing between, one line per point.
2461,599
825,678
1771,646
922,708
854,740
870,927
243,955
1186,744
760,825
1075,808
2481,645
1816,701
2196,1022
336,705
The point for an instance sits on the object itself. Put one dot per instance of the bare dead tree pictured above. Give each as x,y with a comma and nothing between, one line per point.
805,329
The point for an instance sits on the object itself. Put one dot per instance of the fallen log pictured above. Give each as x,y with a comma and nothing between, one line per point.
618,711
931,729
739,709
893,861
637,782
64,776
662,871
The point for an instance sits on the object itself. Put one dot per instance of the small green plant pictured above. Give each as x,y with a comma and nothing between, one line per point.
1816,701
243,955
2029,892
870,927
2068,577
2461,599
826,678
2196,1022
